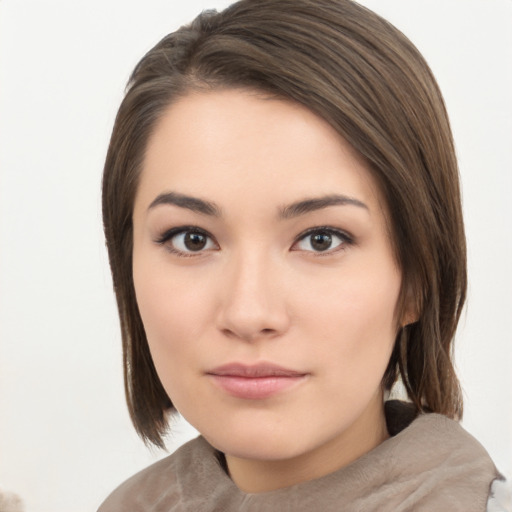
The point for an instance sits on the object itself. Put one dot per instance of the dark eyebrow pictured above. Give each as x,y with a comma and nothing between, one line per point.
183,201
310,205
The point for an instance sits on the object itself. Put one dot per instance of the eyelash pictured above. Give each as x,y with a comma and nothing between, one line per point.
345,239
167,236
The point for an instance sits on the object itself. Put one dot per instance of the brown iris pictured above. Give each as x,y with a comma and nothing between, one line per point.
195,241
321,241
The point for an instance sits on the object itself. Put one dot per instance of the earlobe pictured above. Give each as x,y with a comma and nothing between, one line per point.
408,319
411,310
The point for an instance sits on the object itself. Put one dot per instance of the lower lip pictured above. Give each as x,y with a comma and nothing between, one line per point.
256,388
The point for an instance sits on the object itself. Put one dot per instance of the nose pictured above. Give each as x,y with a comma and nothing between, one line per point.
253,305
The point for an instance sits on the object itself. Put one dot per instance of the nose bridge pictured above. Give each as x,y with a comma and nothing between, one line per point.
253,304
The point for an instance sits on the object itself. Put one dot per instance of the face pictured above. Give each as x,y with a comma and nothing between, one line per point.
265,276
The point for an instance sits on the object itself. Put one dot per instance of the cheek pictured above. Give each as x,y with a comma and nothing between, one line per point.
174,311
169,329
354,322
362,298
169,299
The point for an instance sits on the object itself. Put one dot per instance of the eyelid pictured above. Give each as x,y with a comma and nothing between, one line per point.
346,238
169,234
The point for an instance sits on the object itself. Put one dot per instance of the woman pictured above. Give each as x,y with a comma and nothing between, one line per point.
282,214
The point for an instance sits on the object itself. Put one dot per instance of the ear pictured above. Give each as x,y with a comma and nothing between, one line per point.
409,318
411,313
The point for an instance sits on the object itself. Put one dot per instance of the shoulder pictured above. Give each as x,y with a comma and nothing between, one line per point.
435,439
435,452
160,481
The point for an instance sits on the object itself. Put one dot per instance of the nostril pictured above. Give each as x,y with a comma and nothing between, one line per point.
228,333
263,333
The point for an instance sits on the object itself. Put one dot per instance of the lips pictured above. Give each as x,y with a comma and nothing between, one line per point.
255,382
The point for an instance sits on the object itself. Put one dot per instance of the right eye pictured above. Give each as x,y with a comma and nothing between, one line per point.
187,241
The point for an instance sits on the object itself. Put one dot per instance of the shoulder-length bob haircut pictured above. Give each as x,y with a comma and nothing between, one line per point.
365,78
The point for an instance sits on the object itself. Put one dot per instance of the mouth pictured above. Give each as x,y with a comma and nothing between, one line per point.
255,382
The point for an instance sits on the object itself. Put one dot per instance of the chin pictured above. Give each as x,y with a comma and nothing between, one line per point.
247,438
262,447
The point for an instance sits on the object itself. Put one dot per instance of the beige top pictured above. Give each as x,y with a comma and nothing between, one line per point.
431,465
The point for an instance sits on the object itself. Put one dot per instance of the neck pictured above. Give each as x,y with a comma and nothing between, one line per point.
367,432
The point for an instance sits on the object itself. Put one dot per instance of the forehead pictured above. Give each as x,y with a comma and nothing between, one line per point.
231,143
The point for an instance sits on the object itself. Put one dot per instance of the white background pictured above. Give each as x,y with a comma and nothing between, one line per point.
65,437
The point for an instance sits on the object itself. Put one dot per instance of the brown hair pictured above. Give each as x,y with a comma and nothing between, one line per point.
367,80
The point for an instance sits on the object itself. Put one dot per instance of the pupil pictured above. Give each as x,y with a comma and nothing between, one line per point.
321,241
195,241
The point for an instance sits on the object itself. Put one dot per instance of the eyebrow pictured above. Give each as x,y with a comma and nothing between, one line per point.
287,212
318,203
183,201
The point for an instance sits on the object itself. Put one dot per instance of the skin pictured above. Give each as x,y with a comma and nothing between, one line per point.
259,291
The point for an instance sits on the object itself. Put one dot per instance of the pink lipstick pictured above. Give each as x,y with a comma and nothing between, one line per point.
255,382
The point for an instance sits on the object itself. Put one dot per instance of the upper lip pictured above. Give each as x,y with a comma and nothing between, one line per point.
254,370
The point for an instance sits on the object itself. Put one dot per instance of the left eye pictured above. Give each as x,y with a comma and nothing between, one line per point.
321,240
